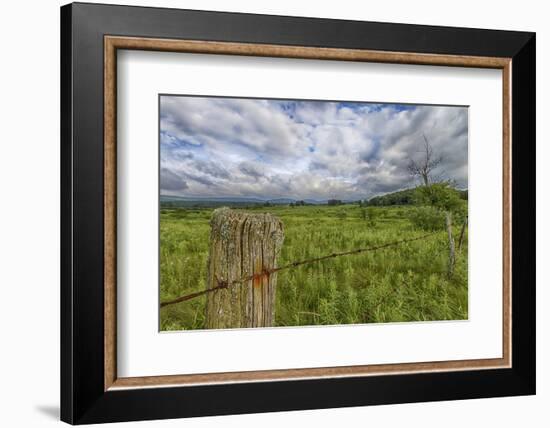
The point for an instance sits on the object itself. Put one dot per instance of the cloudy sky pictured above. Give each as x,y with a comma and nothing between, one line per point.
214,147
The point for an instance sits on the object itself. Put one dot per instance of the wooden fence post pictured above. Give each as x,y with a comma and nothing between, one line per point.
242,245
462,232
452,258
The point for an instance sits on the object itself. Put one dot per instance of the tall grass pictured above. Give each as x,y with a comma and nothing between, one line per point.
404,283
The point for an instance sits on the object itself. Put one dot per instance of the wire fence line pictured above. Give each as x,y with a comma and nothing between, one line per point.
222,284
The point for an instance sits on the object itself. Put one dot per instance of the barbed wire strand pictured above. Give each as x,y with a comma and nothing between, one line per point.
225,285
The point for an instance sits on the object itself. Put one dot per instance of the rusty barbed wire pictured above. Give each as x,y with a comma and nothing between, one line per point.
222,284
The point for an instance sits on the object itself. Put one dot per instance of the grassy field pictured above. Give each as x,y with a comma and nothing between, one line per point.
404,283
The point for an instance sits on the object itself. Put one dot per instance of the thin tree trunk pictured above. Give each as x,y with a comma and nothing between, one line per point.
462,231
425,179
449,224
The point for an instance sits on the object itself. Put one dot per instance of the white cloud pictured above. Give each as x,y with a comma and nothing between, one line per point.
303,149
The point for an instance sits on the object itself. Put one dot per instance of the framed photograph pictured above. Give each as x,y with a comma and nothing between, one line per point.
265,213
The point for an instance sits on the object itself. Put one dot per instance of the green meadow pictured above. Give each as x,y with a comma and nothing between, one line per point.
408,282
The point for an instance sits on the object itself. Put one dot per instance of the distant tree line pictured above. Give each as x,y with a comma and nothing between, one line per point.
402,197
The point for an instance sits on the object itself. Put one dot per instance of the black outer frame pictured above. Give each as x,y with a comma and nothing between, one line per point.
83,399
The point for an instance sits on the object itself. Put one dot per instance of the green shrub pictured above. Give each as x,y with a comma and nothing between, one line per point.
342,214
372,215
427,218
439,195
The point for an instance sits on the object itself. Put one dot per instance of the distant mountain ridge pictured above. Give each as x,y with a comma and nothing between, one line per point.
169,201
237,199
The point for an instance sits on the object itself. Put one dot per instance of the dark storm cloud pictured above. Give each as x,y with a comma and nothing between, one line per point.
171,181
315,166
200,179
212,169
248,168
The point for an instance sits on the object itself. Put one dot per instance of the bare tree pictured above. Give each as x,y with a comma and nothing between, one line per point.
424,167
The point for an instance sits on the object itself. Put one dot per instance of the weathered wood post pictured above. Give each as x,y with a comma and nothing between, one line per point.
452,259
462,232
242,245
